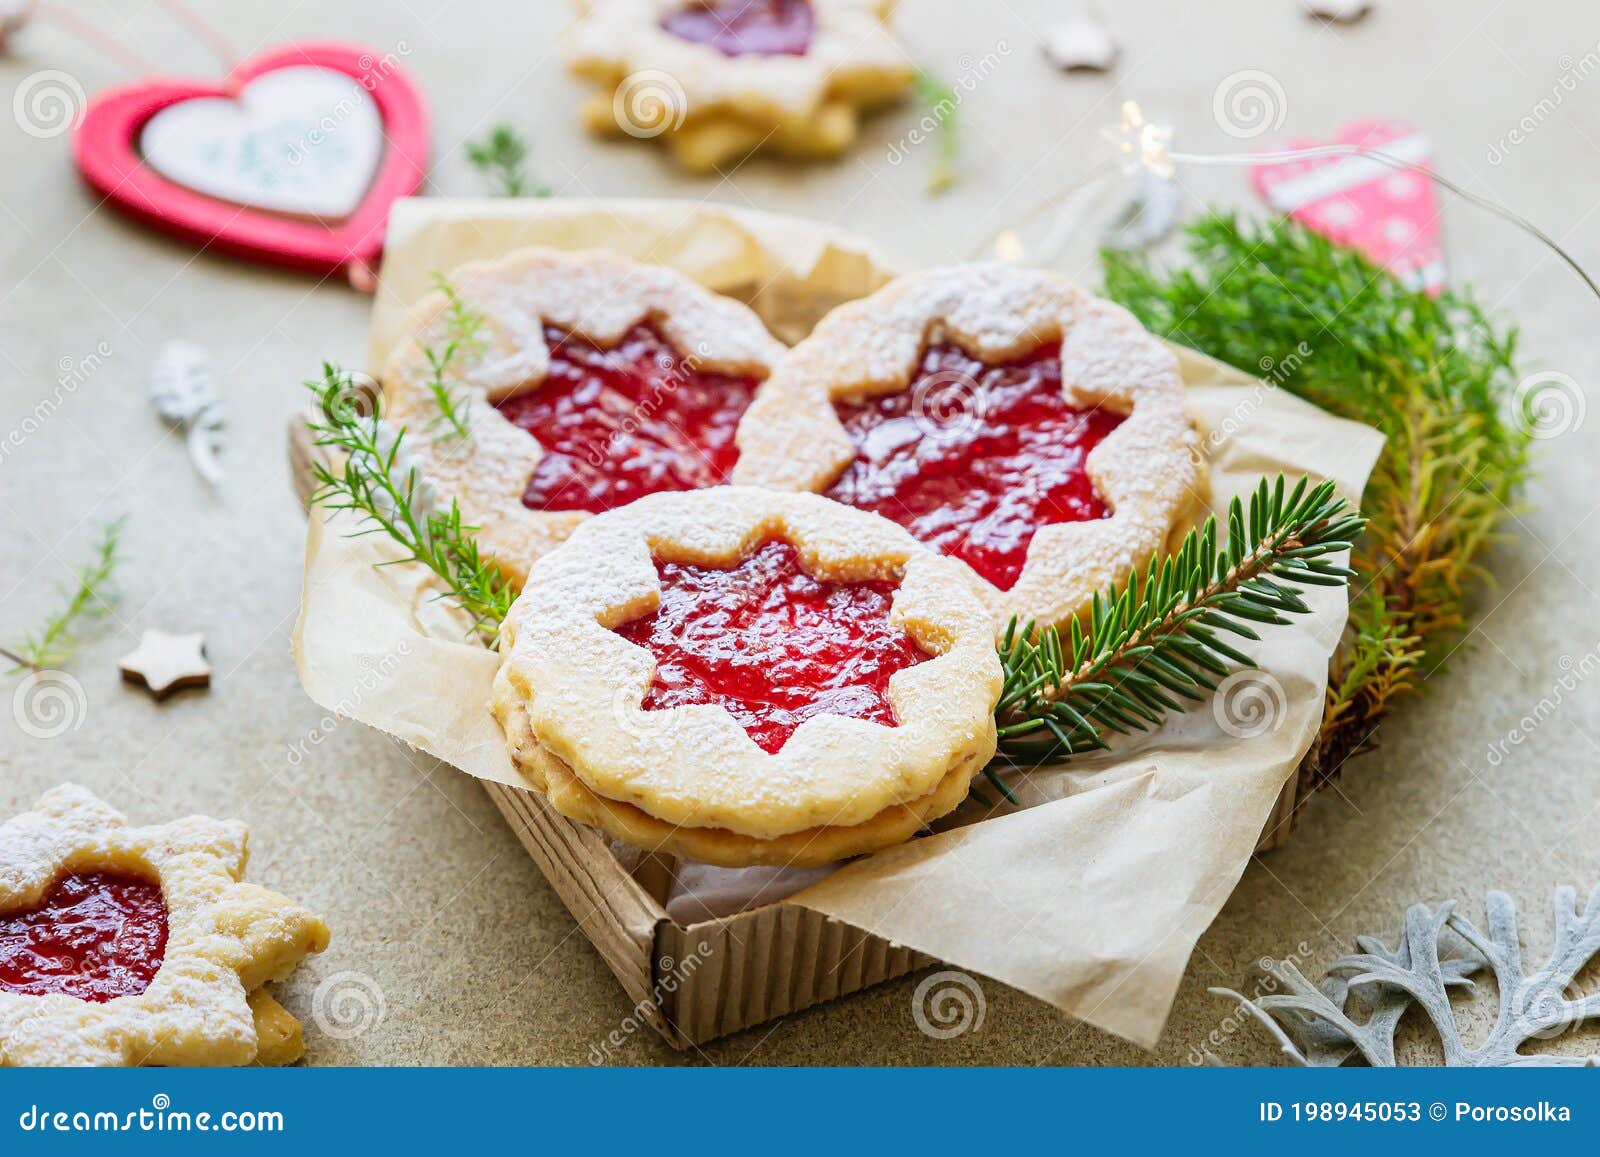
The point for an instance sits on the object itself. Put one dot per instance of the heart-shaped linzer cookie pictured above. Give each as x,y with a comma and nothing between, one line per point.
295,159
1391,216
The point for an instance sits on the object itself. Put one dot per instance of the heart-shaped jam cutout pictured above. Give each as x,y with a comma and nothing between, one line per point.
772,644
96,936
746,27
973,458
626,421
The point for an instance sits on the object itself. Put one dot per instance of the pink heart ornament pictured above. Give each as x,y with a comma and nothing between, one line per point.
294,159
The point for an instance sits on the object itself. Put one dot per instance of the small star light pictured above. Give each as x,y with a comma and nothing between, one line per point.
1141,144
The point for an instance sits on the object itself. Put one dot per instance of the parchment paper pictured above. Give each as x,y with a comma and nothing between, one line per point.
1091,896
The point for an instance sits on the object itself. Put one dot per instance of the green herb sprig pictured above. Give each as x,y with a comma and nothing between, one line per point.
52,644
1156,640
374,481
1435,374
463,335
942,103
502,158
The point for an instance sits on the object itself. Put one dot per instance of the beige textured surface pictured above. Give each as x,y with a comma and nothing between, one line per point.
427,893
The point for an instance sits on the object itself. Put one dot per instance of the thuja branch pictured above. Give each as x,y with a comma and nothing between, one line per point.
1157,641
53,642
1435,374
463,335
375,480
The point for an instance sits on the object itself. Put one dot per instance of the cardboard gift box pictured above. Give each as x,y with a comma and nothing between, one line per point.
1113,866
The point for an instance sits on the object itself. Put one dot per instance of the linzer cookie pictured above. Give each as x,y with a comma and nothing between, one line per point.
745,676
1034,434
545,387
140,946
718,79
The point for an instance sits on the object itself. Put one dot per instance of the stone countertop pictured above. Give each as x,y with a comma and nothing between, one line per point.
470,954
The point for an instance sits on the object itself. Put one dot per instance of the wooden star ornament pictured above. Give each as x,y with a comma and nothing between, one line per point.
164,663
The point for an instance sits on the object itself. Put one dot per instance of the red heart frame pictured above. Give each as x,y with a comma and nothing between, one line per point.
107,154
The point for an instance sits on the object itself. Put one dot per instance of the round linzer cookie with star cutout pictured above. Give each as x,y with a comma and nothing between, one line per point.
1034,433
140,946
745,676
717,79
548,386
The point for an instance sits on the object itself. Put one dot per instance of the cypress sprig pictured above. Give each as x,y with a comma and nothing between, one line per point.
377,482
502,158
463,335
52,643
1156,641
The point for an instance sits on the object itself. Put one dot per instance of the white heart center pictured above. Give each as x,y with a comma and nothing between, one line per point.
300,140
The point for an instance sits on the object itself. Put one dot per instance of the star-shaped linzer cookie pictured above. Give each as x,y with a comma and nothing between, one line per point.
164,663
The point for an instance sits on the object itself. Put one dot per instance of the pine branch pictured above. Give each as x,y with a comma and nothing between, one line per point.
502,158
1433,373
464,335
52,644
376,481
942,103
1156,641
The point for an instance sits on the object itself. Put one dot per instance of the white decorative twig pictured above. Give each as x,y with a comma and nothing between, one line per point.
183,389
1315,1026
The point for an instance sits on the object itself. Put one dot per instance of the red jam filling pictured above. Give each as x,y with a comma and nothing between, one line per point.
973,459
617,424
772,644
745,27
96,936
